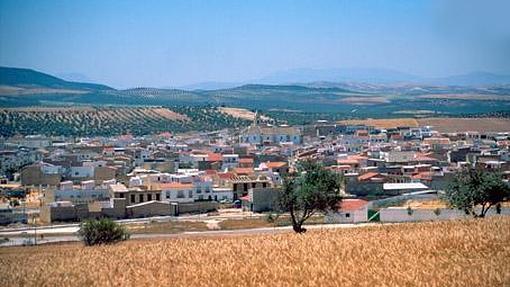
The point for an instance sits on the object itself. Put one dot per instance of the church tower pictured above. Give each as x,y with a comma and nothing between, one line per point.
256,119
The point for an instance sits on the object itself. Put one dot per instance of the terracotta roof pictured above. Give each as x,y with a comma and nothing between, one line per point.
225,175
246,160
175,185
214,156
352,204
426,175
347,161
243,170
436,141
367,176
275,164
424,157
357,157
211,172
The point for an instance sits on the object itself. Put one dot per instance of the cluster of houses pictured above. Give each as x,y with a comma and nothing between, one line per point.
166,174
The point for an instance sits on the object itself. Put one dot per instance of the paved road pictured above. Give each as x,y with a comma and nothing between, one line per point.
16,241
73,227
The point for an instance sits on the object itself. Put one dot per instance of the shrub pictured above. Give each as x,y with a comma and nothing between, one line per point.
102,231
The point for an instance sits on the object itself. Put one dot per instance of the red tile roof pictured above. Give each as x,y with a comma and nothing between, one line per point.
426,175
214,156
423,157
347,161
211,172
352,204
243,170
175,185
246,160
275,164
367,176
225,175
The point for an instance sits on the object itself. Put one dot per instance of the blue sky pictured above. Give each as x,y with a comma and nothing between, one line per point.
172,43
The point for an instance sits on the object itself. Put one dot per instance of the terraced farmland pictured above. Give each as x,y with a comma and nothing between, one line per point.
91,121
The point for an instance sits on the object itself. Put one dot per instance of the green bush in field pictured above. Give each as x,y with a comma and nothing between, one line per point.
102,231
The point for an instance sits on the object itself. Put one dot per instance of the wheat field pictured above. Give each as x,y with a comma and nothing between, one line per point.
453,253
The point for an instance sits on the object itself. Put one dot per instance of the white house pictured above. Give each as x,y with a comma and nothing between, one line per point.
222,193
270,135
349,211
81,171
230,161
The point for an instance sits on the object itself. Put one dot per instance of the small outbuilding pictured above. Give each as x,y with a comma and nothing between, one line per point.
349,210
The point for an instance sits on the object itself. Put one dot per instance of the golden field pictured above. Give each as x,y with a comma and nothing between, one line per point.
453,253
443,125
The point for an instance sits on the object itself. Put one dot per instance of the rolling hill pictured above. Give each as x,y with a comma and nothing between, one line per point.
27,78
109,121
23,87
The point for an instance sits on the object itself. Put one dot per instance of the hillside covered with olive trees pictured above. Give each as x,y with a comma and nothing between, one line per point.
94,121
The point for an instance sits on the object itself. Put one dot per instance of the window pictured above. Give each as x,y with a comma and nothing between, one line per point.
168,194
132,198
264,185
253,184
347,215
121,195
140,197
158,198
180,194
245,186
190,193
199,190
149,197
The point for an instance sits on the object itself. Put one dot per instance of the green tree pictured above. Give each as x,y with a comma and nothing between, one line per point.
310,190
475,189
102,231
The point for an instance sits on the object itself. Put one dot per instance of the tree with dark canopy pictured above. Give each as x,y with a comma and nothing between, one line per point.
475,191
309,190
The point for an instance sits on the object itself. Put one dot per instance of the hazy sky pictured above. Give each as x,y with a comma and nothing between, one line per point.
172,43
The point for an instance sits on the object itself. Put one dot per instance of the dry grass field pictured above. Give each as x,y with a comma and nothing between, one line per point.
479,97
444,125
384,123
241,113
452,125
454,253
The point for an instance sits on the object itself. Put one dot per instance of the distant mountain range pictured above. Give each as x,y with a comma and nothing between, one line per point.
374,93
360,76
372,75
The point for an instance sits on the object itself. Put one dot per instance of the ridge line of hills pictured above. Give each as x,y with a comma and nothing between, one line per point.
25,87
